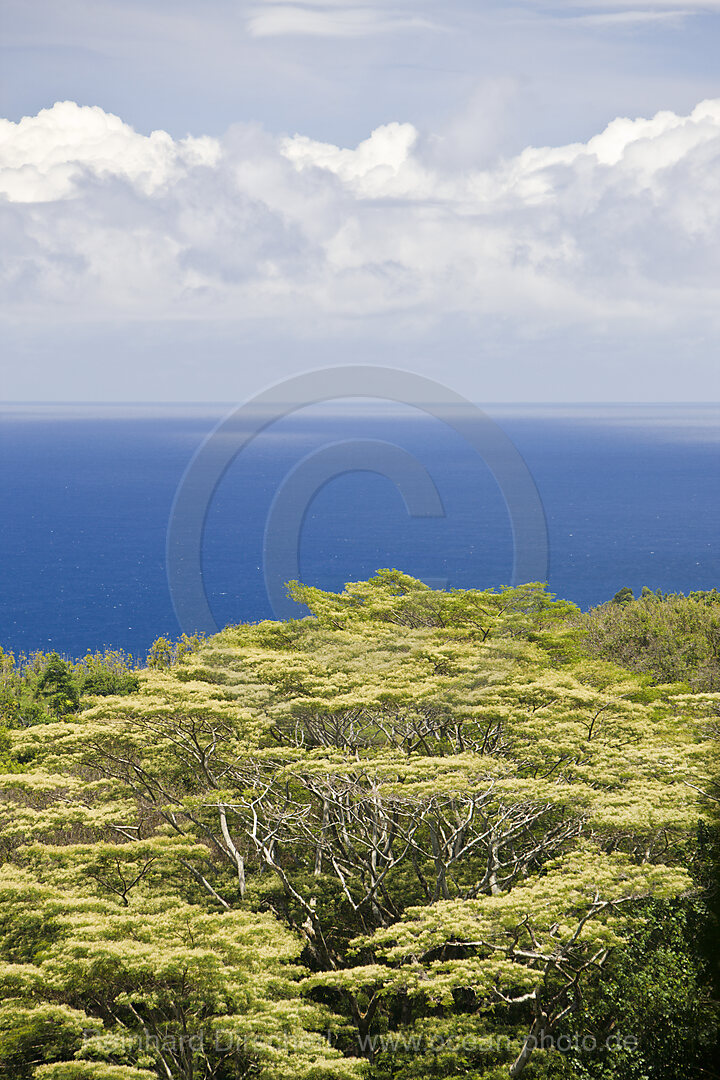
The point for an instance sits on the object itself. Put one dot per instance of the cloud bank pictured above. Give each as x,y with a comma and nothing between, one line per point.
104,223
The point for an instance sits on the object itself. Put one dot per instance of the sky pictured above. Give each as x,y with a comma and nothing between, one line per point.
520,200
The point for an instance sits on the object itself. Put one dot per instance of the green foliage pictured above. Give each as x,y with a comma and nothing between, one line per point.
40,685
165,653
31,1033
179,989
672,637
7,762
394,597
106,673
651,1015
86,1070
441,824
55,687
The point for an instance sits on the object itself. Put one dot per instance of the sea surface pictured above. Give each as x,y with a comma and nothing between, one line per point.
630,495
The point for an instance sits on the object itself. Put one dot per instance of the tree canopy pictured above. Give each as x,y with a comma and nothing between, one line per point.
413,834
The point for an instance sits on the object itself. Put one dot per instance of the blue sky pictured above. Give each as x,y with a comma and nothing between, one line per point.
235,192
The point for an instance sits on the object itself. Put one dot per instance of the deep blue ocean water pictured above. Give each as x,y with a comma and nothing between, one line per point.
631,494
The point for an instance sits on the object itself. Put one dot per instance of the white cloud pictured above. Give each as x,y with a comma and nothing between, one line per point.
659,5
635,7
621,14
372,168
620,231
329,20
44,157
632,18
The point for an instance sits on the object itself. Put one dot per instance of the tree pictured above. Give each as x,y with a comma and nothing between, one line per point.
672,638
56,688
454,811
153,982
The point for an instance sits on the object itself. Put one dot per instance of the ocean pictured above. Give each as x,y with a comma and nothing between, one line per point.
630,495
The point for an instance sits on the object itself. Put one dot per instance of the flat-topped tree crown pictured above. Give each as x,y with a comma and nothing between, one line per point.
452,810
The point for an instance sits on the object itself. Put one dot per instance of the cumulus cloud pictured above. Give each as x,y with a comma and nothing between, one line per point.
43,157
371,168
102,222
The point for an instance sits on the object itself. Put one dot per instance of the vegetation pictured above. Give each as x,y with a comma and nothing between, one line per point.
415,834
42,685
672,637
